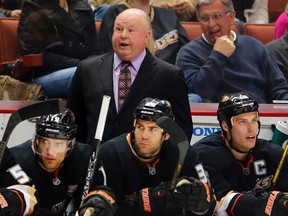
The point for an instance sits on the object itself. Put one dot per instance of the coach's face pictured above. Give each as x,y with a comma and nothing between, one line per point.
131,34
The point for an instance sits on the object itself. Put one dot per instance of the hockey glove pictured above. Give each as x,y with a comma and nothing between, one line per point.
193,195
12,201
155,199
274,204
100,202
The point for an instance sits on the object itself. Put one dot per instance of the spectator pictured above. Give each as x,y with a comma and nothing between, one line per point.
109,2
219,61
184,8
98,10
16,194
150,77
58,166
10,8
281,24
64,33
242,179
168,33
252,11
141,164
279,50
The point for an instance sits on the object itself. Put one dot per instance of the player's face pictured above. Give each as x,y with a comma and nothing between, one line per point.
130,36
244,130
52,152
148,138
215,20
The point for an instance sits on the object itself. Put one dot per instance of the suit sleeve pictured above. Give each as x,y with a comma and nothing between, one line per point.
76,104
180,104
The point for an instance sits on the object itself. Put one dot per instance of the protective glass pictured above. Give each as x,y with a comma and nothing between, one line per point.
50,148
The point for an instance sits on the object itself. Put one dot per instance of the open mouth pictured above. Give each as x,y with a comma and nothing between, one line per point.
251,138
215,33
124,45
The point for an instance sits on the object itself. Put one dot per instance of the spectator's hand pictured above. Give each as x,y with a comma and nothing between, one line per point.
180,7
224,45
155,199
16,13
100,202
193,195
274,204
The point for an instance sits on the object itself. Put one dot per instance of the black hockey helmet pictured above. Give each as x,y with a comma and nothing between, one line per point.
58,126
234,104
151,109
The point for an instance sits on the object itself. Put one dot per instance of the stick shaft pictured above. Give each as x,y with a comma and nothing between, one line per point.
96,143
275,178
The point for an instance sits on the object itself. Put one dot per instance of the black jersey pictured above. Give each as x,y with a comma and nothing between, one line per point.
10,172
55,190
126,174
226,173
13,177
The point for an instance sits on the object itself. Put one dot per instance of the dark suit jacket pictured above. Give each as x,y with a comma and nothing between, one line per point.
156,79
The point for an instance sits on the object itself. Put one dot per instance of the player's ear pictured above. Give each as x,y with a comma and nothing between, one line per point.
224,126
166,136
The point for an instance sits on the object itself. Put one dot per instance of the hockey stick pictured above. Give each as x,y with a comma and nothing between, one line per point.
180,138
96,142
30,111
279,168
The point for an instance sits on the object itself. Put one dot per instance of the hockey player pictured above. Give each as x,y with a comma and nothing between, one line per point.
17,197
241,166
140,166
58,164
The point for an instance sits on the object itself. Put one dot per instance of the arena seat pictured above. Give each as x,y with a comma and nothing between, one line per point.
8,39
9,51
263,32
275,8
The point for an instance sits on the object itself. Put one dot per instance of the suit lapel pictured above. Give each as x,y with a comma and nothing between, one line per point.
106,77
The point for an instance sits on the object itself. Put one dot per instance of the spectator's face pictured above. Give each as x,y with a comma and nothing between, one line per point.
130,35
215,20
244,130
52,152
148,138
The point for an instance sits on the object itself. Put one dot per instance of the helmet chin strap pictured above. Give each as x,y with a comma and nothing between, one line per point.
235,148
131,138
231,140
